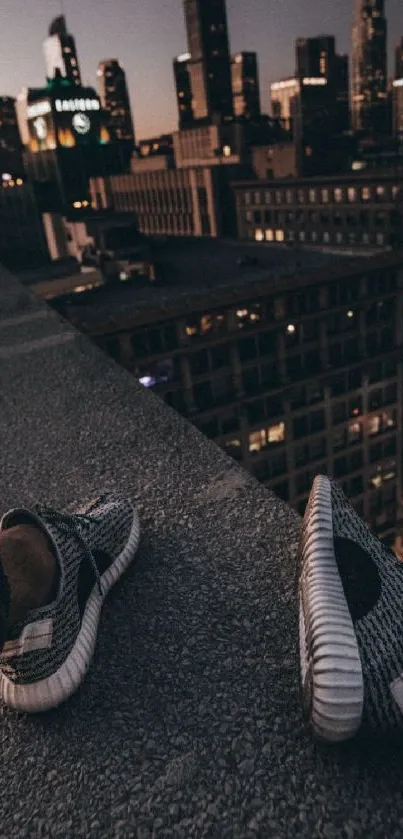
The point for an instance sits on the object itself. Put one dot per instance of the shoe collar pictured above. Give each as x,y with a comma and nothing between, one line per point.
21,515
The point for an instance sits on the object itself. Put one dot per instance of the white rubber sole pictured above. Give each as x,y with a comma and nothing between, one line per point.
330,664
50,692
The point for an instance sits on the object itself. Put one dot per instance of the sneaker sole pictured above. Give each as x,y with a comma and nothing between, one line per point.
50,692
331,671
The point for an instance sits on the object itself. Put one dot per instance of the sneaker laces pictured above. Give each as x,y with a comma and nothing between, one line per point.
70,526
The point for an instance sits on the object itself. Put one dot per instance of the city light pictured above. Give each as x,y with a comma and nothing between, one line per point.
290,328
77,205
320,81
350,313
284,85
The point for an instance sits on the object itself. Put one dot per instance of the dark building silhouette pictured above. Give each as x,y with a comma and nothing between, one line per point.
209,64
369,67
316,58
398,91
183,90
245,85
114,96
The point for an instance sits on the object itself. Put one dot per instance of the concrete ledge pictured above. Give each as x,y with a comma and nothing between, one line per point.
188,724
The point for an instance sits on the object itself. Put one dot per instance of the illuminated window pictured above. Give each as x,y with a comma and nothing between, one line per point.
259,235
269,235
226,151
395,190
267,197
276,433
302,236
338,195
301,196
380,193
279,235
233,447
326,238
366,193
256,197
374,425
339,238
314,236
191,330
257,440
352,194
325,196
288,196
380,239
354,432
312,195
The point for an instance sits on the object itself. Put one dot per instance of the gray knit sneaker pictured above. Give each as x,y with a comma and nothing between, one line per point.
46,657
351,621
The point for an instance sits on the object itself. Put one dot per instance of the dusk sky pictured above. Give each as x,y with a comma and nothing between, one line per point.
146,35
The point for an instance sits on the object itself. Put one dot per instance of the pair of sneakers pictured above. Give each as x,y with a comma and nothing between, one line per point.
350,613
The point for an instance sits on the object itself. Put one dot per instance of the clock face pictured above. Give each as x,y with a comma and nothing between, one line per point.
40,128
81,123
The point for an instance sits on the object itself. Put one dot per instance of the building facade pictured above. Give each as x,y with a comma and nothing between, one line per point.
183,89
171,202
398,92
66,140
114,96
245,85
60,52
209,64
316,58
369,68
350,212
22,240
292,379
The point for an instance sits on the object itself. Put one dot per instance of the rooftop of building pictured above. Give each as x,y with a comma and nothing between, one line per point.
350,175
189,721
200,272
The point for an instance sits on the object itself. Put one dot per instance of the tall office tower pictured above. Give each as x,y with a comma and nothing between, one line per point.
369,67
114,96
183,90
60,52
209,64
9,133
316,58
245,85
398,91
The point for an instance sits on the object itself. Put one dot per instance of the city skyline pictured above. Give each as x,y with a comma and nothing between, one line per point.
147,38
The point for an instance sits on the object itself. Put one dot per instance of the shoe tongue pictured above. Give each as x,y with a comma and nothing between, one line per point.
20,515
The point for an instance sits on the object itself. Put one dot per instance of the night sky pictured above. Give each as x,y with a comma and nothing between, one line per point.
146,34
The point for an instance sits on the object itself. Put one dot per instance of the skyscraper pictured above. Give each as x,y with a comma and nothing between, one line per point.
245,85
398,91
114,96
369,67
316,58
60,52
183,90
209,63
